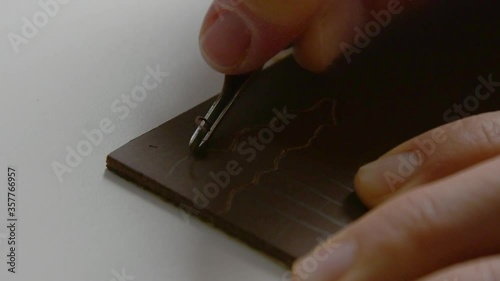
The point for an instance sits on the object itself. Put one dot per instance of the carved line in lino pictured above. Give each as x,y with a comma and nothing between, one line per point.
284,153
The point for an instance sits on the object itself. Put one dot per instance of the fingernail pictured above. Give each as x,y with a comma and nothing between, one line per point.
225,43
327,262
387,174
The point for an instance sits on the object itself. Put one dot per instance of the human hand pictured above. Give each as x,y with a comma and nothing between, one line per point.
436,216
239,36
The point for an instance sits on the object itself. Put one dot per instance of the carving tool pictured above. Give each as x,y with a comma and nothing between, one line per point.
208,124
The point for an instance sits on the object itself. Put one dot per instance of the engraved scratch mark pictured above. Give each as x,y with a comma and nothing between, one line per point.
174,167
342,185
284,153
241,134
314,210
328,198
292,218
237,138
315,191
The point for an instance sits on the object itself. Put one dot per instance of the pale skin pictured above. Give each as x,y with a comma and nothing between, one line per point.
441,222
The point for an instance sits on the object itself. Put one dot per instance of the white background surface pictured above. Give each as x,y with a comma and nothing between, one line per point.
63,81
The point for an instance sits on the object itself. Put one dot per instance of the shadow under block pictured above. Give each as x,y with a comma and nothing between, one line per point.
279,171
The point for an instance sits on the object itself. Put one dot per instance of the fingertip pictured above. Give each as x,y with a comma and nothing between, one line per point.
321,42
375,182
368,198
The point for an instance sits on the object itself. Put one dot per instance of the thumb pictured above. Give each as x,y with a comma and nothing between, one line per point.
416,233
239,36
